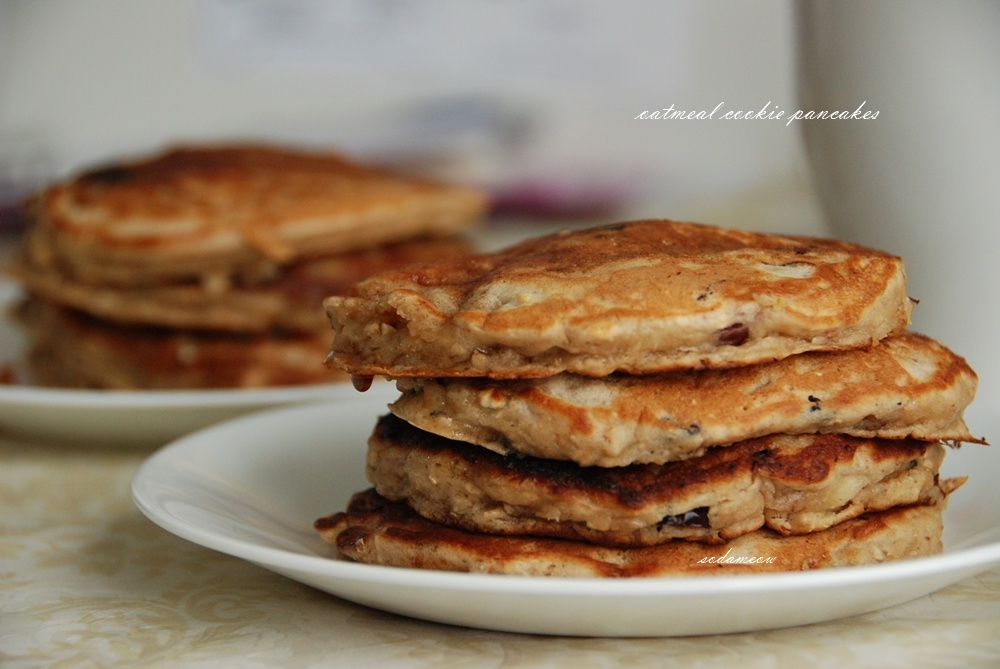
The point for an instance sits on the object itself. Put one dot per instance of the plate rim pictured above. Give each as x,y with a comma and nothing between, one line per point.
171,399
975,558
165,398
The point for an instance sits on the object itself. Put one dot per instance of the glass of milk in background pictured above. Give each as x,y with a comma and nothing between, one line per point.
922,180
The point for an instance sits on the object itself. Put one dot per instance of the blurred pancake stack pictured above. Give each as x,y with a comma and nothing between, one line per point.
649,398
206,267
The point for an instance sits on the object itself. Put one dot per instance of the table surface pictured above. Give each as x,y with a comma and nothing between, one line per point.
86,580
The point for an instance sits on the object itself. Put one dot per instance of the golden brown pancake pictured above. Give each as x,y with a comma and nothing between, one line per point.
909,386
377,531
228,210
68,350
793,484
640,297
290,300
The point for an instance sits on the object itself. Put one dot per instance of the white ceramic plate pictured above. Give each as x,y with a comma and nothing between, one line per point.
252,488
143,419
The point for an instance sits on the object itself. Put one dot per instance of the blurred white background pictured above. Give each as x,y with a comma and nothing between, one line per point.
514,91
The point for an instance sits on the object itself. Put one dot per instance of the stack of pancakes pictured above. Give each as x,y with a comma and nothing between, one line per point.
649,398
206,267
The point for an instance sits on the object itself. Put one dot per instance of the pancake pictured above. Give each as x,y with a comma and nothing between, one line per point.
640,297
66,350
793,484
289,301
227,210
909,386
377,531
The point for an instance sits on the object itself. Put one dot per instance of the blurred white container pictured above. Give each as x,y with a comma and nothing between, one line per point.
923,180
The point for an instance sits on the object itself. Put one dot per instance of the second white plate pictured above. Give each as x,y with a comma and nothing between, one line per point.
140,418
252,488
146,418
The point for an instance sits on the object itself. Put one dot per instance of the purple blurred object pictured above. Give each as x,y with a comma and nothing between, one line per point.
557,198
13,216
25,166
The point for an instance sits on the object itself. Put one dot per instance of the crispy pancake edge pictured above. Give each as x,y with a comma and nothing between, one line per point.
377,531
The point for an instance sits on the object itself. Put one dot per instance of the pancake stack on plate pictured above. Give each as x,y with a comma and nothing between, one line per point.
649,398
206,267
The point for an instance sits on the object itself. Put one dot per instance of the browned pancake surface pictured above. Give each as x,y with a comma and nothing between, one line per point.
377,531
793,484
907,386
227,209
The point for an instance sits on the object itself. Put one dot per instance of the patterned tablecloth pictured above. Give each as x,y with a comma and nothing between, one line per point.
86,581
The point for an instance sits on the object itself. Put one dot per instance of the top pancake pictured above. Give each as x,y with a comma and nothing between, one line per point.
640,297
193,211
